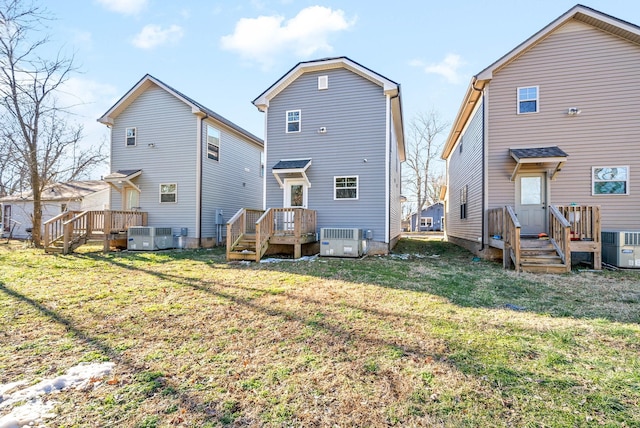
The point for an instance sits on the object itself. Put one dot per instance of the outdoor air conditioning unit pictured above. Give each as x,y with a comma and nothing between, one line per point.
146,238
341,242
621,248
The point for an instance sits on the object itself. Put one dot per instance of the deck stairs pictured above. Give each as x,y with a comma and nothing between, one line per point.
244,249
540,256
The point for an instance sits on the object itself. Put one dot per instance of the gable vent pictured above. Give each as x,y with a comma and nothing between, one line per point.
323,82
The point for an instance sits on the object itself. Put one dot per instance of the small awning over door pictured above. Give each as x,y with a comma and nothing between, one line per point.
291,168
538,155
124,176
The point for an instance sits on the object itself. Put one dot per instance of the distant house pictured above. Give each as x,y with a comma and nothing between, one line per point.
335,142
545,143
17,210
185,165
430,219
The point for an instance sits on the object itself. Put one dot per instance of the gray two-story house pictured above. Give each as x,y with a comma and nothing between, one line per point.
180,162
334,143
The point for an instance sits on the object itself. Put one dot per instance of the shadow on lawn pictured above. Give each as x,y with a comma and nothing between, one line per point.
446,270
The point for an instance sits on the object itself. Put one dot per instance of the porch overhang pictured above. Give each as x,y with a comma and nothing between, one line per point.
539,155
124,176
291,168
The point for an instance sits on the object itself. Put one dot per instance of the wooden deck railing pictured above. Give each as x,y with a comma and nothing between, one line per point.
71,227
264,230
496,222
559,235
54,228
511,251
584,221
243,222
294,221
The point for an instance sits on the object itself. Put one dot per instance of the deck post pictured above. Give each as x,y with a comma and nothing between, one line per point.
106,231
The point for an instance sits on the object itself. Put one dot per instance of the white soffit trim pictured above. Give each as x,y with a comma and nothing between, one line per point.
262,102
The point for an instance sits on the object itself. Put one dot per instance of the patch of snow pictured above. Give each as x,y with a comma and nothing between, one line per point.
35,410
400,256
301,259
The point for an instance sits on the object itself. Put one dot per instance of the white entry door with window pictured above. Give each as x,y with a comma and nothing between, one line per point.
295,196
531,203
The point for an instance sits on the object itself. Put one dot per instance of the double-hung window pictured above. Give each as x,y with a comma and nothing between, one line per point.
345,187
213,143
130,136
528,100
463,202
168,193
293,121
610,180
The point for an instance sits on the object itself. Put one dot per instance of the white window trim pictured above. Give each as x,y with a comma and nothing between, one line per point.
286,125
335,189
160,193
593,181
537,99
207,141
135,136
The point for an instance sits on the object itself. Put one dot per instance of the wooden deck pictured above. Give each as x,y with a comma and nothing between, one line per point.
250,232
71,229
571,229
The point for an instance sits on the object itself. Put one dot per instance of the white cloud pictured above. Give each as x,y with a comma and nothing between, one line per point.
261,39
153,36
447,68
126,7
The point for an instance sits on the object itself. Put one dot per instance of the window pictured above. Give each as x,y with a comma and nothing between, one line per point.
426,222
213,143
528,100
168,193
293,121
323,82
463,202
63,208
346,188
610,180
131,136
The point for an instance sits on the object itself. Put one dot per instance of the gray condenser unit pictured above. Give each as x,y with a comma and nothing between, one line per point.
341,242
621,248
147,238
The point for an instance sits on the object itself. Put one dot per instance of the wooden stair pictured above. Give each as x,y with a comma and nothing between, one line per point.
540,256
244,249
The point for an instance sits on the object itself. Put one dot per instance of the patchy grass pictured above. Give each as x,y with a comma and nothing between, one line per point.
430,338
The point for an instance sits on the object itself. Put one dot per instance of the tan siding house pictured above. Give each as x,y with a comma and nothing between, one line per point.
559,130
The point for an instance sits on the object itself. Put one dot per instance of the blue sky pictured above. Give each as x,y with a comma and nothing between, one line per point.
225,53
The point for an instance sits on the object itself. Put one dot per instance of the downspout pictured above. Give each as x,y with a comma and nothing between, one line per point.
199,180
483,204
387,226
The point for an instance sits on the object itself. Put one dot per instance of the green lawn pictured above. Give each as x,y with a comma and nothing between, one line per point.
432,338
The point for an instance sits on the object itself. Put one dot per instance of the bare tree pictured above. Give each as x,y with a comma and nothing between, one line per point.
44,147
421,178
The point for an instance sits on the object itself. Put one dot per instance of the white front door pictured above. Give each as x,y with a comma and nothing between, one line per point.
131,199
295,196
531,203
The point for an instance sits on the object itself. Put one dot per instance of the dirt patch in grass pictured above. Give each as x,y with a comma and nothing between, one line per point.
429,338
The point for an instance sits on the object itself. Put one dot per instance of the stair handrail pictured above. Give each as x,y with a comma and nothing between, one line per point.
264,231
560,235
512,229
54,229
235,229
75,229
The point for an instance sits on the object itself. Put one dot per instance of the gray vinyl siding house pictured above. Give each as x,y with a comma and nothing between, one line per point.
430,219
570,89
350,129
162,162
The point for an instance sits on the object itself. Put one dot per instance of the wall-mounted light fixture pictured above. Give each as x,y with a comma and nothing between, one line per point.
151,145
573,111
322,130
